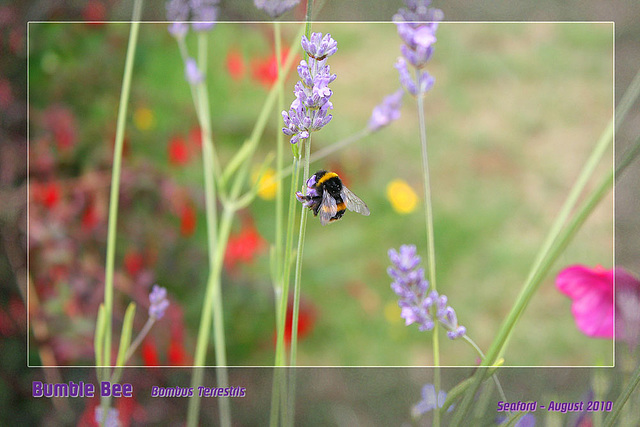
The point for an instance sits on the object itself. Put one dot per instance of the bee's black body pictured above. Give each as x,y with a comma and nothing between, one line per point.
328,197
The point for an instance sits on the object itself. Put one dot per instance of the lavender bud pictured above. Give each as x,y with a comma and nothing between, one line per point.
275,8
386,112
205,11
416,303
405,78
192,73
112,417
159,302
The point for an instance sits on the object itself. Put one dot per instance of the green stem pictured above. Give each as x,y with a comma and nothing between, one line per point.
216,245
628,99
202,98
296,293
279,166
298,273
212,310
330,149
284,297
431,266
307,30
278,387
115,192
623,398
482,356
115,177
143,333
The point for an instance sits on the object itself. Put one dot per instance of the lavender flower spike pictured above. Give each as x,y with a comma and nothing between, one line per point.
309,112
417,25
417,304
429,401
386,112
276,8
192,73
159,302
204,13
411,286
447,316
178,10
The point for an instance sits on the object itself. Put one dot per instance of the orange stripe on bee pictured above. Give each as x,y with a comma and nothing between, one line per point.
327,176
339,207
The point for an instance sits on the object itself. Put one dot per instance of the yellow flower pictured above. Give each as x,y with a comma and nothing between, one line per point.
392,312
143,118
267,186
402,197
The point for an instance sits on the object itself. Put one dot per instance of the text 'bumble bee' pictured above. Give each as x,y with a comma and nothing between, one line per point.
327,196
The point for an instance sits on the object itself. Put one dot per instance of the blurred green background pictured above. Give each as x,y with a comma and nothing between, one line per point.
514,113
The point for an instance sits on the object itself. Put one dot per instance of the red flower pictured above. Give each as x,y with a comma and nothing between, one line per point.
235,64
6,96
178,151
306,320
94,11
243,247
177,355
90,217
61,122
188,220
149,353
133,262
265,70
50,194
7,327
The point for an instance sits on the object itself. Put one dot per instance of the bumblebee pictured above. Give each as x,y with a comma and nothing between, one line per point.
327,196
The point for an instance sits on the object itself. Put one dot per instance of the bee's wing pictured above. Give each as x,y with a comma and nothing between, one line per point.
328,208
353,202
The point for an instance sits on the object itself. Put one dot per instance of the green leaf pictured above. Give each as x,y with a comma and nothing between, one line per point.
98,340
125,336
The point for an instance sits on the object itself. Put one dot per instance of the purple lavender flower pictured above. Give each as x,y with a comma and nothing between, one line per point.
309,112
159,302
178,29
386,112
192,73
112,417
447,316
205,12
417,25
177,10
405,77
417,304
312,199
276,8
429,401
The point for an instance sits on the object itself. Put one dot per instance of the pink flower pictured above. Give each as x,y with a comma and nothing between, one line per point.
593,308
